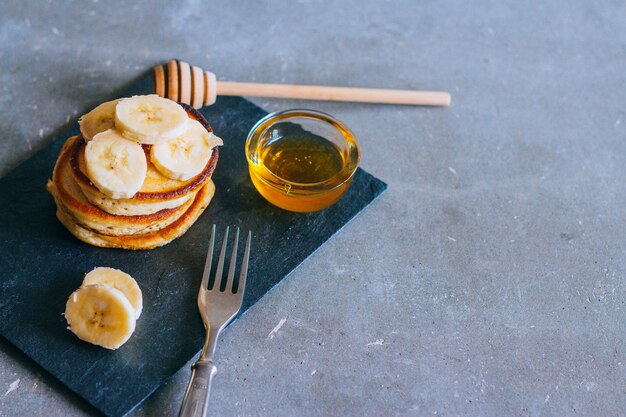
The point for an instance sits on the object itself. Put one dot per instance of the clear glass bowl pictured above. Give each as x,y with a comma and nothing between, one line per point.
301,160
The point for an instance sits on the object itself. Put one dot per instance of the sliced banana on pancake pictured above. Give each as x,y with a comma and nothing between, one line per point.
120,281
117,166
186,156
150,119
101,315
98,120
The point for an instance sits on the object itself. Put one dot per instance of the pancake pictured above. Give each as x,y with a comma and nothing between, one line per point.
130,207
68,194
158,192
144,241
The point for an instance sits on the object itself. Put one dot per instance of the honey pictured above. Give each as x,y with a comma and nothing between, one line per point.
301,160
304,159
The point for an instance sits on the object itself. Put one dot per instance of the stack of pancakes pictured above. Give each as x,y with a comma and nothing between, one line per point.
162,210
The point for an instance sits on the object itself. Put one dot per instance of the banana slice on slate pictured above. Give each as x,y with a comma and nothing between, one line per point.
116,165
101,315
150,119
98,120
186,156
120,281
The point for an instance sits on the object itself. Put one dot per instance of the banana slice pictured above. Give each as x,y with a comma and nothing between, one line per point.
120,281
98,120
101,315
150,119
116,165
187,155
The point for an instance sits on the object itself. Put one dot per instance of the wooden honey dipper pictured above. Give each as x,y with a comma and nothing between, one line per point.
179,81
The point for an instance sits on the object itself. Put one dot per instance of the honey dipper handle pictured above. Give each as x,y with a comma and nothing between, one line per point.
311,92
191,85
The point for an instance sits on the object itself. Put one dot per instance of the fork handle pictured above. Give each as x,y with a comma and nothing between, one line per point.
196,400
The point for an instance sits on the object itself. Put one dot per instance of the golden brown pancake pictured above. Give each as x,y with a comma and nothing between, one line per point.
129,206
144,241
66,192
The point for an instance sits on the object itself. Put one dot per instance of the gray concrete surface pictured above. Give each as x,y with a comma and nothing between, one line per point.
489,280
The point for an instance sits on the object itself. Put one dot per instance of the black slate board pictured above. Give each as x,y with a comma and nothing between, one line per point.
41,264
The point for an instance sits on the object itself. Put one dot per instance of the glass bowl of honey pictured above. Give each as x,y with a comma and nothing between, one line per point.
301,160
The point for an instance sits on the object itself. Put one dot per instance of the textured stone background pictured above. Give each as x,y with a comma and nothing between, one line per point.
490,277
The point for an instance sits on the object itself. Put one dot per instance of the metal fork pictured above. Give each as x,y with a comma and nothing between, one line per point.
217,309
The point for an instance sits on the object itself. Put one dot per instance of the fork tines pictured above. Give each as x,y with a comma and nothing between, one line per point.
219,272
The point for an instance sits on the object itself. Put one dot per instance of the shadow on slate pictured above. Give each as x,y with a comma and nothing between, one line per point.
41,264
